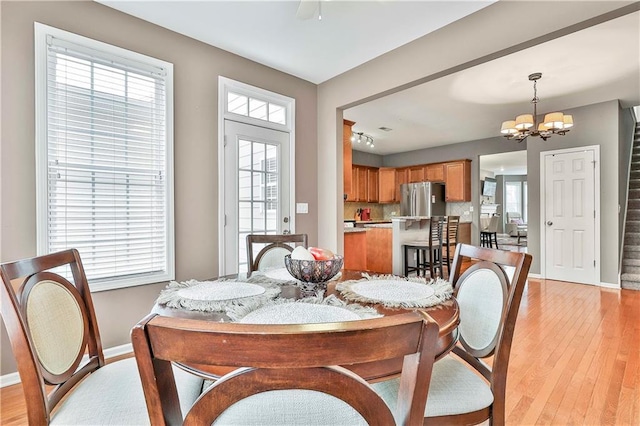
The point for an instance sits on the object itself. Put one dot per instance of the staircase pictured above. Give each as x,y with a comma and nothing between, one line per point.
630,277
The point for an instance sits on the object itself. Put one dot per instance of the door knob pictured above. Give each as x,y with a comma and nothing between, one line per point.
549,223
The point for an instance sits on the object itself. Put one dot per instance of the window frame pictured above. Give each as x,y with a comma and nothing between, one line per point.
121,56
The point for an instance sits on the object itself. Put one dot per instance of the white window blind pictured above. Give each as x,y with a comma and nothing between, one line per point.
108,175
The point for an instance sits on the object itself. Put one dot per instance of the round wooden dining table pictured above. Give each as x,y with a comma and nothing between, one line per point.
446,314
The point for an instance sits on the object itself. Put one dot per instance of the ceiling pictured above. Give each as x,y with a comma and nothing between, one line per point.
349,34
597,64
594,65
506,163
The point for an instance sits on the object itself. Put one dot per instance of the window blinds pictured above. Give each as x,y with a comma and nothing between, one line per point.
107,161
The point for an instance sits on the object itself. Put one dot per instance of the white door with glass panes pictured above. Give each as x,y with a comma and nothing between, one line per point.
256,188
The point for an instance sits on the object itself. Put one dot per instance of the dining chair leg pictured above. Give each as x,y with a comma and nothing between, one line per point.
406,261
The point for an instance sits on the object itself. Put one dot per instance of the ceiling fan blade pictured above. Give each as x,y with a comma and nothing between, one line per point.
306,9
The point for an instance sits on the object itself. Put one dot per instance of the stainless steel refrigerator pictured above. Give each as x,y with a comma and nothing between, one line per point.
424,199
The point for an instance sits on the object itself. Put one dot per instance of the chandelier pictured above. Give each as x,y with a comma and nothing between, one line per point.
526,125
360,137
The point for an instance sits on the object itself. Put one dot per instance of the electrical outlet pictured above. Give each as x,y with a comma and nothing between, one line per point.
471,209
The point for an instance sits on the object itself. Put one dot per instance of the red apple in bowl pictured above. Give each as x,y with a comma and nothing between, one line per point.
320,253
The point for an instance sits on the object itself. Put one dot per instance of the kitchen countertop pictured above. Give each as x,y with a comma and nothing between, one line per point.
372,221
351,230
378,225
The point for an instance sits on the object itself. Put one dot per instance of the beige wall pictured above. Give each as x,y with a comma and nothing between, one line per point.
485,35
196,70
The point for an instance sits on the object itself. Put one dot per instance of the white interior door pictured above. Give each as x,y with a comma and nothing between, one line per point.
569,220
256,188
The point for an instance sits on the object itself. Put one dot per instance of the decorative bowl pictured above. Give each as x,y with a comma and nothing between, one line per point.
314,271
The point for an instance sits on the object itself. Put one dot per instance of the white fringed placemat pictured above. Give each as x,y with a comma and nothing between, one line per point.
304,311
215,296
396,292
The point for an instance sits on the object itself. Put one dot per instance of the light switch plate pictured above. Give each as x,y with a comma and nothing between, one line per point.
302,208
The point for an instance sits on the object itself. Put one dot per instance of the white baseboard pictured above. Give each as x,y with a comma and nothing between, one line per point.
610,285
14,378
9,379
535,276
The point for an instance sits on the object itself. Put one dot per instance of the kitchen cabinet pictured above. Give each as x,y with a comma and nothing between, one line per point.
347,159
360,183
378,248
372,184
434,172
457,181
355,257
386,185
416,173
364,184
401,178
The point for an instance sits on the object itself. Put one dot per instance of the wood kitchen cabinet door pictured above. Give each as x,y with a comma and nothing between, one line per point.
401,178
378,248
434,172
458,181
416,173
361,185
386,185
372,185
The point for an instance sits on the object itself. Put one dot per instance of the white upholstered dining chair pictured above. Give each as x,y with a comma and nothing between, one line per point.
464,389
55,339
272,250
286,374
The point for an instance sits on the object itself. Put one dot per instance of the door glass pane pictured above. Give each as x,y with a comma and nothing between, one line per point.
244,154
244,185
258,218
237,104
258,186
277,114
258,193
244,217
257,109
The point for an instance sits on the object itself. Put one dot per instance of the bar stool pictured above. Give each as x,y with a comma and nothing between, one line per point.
428,252
489,235
450,239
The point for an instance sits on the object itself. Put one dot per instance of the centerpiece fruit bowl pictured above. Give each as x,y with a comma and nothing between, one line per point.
313,267
314,271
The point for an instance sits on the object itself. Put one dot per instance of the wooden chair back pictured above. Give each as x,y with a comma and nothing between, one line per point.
272,254
489,294
279,357
451,234
436,227
51,325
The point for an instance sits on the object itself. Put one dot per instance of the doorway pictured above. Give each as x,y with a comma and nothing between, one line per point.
256,164
504,195
257,161
570,214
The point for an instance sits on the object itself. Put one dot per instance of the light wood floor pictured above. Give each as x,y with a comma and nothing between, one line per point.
575,359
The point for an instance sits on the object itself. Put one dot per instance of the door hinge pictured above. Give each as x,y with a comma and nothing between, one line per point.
224,140
594,263
225,220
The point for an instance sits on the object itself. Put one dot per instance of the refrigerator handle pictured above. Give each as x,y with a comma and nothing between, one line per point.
414,201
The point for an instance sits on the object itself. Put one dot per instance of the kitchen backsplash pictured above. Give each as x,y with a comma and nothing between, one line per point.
387,211
378,211
460,209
